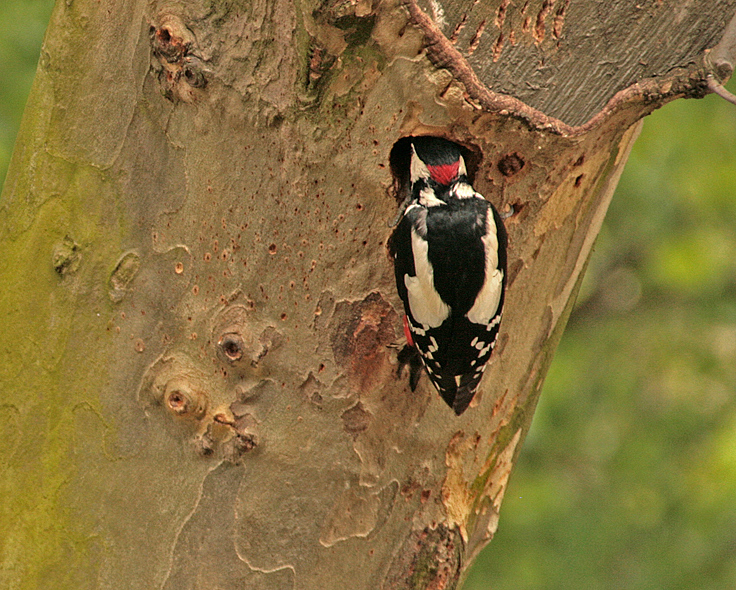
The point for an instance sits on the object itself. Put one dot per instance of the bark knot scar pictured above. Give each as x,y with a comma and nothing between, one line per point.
124,273
234,335
194,408
66,256
510,164
180,69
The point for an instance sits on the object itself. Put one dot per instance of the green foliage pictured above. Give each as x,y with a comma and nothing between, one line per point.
628,477
22,23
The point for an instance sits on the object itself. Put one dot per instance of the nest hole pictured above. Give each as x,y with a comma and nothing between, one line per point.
400,158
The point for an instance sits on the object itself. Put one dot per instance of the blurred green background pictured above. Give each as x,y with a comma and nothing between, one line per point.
22,25
627,480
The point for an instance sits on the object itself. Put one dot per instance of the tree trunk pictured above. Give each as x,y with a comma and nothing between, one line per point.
198,359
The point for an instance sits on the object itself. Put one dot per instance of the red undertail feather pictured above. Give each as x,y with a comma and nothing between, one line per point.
407,332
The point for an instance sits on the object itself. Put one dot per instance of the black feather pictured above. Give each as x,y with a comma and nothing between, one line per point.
454,353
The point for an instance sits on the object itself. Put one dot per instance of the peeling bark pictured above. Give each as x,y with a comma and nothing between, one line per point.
201,325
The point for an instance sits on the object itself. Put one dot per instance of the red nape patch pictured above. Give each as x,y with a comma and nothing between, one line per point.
444,174
407,332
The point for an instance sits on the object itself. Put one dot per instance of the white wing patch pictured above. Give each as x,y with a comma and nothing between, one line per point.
486,302
425,303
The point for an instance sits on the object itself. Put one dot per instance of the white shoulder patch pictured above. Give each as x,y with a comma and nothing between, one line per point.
428,198
486,302
425,303
462,190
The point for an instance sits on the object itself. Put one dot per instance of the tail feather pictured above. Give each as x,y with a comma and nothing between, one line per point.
466,391
458,391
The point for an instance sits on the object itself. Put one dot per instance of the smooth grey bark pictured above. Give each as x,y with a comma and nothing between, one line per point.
199,356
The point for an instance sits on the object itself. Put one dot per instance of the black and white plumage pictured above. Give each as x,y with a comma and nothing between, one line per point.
449,252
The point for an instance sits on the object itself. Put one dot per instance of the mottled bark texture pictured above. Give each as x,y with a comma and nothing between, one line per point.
200,323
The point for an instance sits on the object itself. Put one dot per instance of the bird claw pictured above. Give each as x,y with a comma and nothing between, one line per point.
409,356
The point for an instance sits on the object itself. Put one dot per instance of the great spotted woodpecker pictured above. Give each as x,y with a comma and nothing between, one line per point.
449,252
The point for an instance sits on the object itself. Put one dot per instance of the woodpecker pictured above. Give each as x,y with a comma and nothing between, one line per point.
449,253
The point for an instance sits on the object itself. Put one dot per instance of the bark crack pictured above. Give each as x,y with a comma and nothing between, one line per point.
192,512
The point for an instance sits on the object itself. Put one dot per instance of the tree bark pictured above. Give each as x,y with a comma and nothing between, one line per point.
198,359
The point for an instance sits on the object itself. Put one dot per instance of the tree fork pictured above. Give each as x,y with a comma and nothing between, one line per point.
199,360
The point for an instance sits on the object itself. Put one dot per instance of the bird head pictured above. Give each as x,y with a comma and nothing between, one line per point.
436,160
